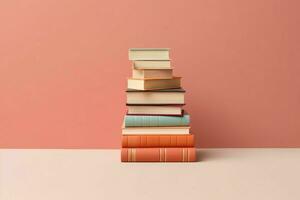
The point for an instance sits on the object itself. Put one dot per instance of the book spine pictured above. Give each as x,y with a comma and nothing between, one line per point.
144,120
139,141
158,155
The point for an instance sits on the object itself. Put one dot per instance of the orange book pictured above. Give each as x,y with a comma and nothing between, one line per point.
138,141
158,155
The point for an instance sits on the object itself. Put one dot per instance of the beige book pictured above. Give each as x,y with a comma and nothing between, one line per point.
176,130
151,64
148,54
171,96
154,110
154,84
152,73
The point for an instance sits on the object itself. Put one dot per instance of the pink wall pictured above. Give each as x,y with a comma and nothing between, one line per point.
64,64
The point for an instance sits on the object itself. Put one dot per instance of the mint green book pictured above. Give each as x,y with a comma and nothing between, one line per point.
155,120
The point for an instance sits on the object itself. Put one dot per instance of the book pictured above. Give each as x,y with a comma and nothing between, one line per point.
170,96
175,130
158,155
155,120
151,64
152,73
139,141
148,54
155,110
153,84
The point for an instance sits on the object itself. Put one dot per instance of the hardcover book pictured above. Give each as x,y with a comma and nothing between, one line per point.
147,97
158,155
143,141
149,54
152,73
151,64
155,110
154,120
153,84
174,130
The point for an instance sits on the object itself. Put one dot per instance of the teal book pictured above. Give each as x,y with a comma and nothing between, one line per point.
155,120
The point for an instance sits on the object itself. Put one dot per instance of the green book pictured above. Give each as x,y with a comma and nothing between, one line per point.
154,120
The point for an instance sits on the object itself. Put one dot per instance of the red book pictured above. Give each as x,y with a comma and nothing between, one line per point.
138,141
158,154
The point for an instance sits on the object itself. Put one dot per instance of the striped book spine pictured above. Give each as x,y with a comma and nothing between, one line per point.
138,141
158,155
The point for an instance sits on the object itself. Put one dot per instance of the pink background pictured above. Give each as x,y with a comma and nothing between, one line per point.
64,64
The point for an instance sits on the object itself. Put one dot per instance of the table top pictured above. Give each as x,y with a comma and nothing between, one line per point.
38,174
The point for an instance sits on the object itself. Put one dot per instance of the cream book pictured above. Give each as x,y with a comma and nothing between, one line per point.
148,54
154,110
176,130
152,73
151,64
153,84
170,96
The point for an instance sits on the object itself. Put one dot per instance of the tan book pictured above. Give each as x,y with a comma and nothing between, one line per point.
176,130
161,97
156,97
154,110
152,73
154,84
148,54
151,64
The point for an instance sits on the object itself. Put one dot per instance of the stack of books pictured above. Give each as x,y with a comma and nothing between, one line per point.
155,127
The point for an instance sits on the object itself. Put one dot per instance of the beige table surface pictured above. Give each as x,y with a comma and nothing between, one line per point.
98,174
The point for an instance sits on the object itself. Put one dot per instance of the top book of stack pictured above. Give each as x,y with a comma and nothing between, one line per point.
150,58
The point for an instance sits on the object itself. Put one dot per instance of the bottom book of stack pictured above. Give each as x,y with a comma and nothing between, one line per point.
158,154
